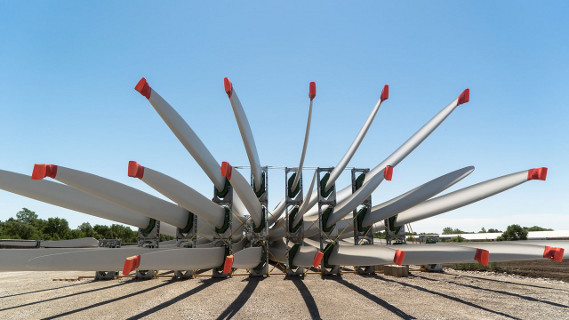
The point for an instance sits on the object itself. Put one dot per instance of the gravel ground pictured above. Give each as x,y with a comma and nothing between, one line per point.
449,295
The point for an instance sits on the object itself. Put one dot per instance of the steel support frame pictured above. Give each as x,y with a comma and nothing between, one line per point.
150,239
293,200
394,235
106,243
187,240
223,239
260,238
362,236
327,243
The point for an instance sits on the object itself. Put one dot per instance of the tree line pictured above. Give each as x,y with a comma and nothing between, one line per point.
27,226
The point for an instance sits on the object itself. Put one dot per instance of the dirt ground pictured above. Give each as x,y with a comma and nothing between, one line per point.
449,295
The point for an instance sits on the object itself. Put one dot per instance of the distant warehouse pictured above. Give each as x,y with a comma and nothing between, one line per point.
532,235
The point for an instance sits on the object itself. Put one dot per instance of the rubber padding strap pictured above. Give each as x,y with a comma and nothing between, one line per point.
148,229
291,254
225,225
189,224
399,257
258,229
360,220
291,216
222,193
325,216
292,193
482,256
323,182
263,186
360,180
263,261
327,252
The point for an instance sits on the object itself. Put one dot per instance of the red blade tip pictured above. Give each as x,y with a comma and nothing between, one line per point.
44,170
537,174
143,87
388,173
312,90
135,170
464,97
384,93
317,259
131,263
553,253
228,264
228,87
482,256
399,257
226,169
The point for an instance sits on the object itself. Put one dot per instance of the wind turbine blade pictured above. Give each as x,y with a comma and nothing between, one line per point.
434,254
350,255
16,259
467,195
311,95
357,141
184,133
71,243
179,193
514,250
246,133
304,257
66,197
406,148
413,197
247,258
244,191
118,193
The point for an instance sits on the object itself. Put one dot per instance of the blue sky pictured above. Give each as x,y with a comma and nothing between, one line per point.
68,70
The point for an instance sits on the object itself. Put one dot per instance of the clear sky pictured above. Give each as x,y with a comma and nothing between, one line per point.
68,69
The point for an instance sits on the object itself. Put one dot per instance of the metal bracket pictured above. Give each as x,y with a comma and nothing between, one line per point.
328,198
258,236
223,239
294,234
148,239
108,243
187,240
394,235
362,236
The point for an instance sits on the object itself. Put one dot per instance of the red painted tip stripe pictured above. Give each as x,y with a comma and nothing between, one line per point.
143,87
131,263
135,170
388,173
384,93
226,169
228,87
464,97
482,256
399,257
553,253
317,259
312,90
44,170
228,264
537,173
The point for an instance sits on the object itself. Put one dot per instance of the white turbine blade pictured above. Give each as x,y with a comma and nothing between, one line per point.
115,192
304,207
182,259
350,255
184,133
71,243
435,254
179,193
304,257
277,212
357,141
407,200
66,197
244,191
16,259
246,133
467,195
511,250
353,201
311,95
407,147
247,258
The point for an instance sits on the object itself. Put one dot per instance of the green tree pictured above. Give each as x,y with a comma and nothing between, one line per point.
491,230
15,229
449,230
536,228
26,216
514,232
88,230
483,230
103,231
57,228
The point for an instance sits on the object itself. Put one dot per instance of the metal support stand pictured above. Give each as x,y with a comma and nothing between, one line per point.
327,235
394,235
107,243
258,235
187,239
294,233
362,236
222,236
148,238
